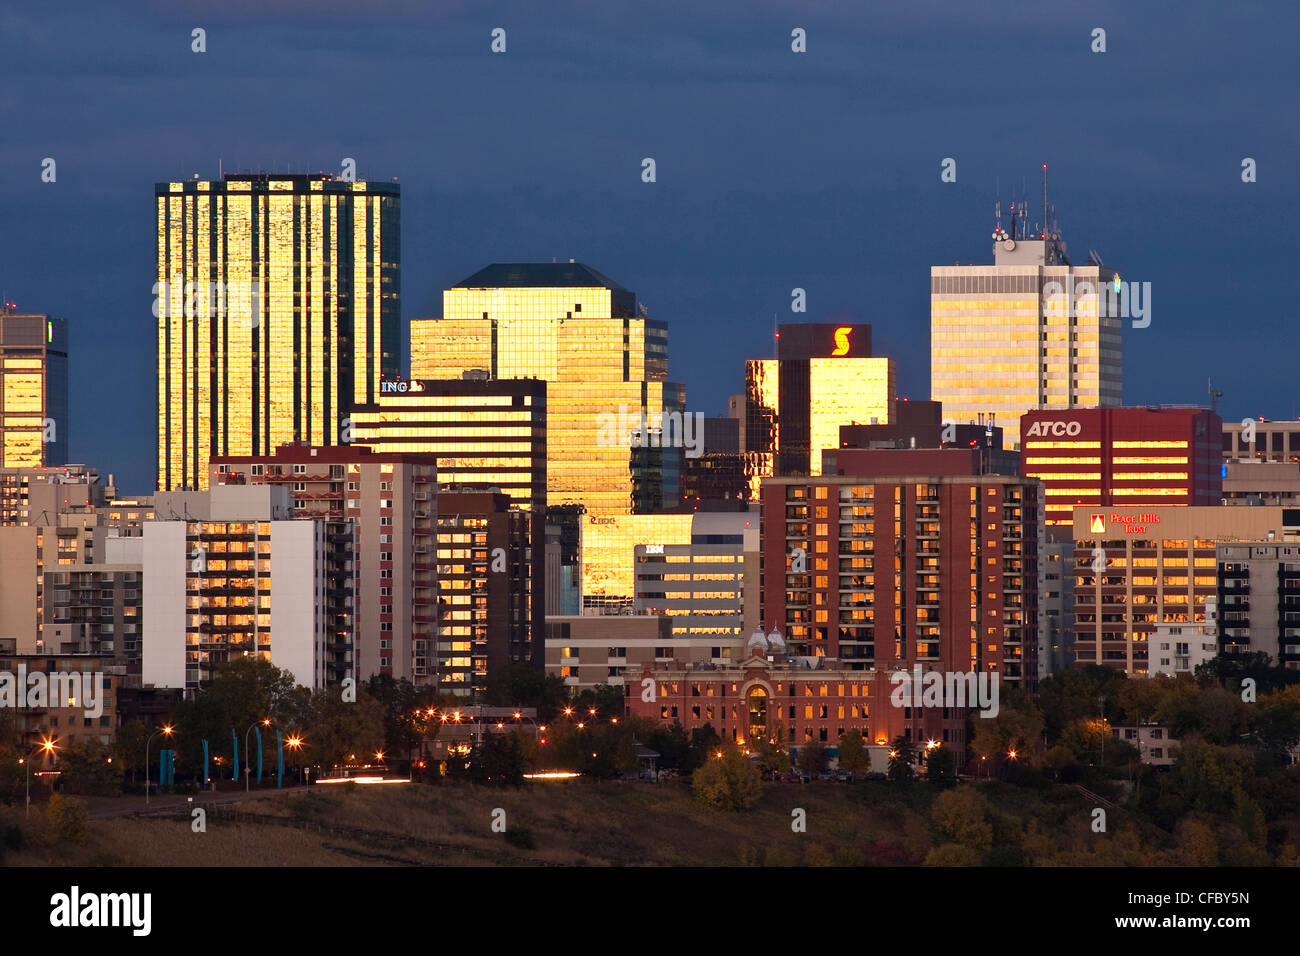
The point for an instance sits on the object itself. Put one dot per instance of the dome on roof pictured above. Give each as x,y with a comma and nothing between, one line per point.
775,640
757,640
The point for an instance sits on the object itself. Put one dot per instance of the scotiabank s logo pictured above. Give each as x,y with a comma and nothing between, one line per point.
842,340
1054,429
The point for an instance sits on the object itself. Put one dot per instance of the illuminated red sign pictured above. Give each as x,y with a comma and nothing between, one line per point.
842,340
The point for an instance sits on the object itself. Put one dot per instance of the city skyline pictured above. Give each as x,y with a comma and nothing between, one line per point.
743,210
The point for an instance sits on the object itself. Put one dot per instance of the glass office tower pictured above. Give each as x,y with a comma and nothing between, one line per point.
824,376
605,364
33,390
278,308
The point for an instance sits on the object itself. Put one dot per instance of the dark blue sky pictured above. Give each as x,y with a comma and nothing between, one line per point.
775,169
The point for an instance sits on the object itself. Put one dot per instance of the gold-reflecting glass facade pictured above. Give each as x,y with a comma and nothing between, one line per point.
762,425
33,390
846,391
278,308
609,554
605,365
840,391
492,434
999,347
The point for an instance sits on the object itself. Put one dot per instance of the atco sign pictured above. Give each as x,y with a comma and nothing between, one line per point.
1054,429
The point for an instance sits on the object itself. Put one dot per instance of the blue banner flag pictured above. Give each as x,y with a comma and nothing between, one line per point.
234,737
279,746
205,763
258,731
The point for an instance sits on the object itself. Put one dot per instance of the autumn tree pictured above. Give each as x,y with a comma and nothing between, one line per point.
854,758
729,782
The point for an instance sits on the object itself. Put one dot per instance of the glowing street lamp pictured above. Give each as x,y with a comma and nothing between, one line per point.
46,747
165,731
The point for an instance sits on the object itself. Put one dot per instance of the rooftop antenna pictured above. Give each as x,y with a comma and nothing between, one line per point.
1045,226
1215,395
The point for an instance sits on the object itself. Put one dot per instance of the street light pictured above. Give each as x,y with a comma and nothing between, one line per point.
295,743
264,722
167,731
47,746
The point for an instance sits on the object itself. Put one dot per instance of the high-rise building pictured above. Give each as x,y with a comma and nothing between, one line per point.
715,479
1135,570
1261,482
1121,458
241,577
824,376
392,501
41,495
278,307
485,433
33,390
895,570
605,364
1031,331
1259,599
1261,440
98,608
491,590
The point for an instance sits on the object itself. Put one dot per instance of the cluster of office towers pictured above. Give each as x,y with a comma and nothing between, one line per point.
325,504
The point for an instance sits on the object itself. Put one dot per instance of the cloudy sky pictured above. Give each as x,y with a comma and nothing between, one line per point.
775,170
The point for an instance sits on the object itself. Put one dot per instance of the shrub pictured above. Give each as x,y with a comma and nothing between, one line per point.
68,819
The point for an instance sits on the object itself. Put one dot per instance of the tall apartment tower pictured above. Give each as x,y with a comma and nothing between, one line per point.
33,390
237,576
278,307
1032,331
490,584
877,569
391,500
605,365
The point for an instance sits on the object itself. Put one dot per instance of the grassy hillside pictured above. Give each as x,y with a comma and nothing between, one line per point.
585,823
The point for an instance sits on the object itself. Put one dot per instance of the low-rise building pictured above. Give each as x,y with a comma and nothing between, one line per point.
1181,648
1153,741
